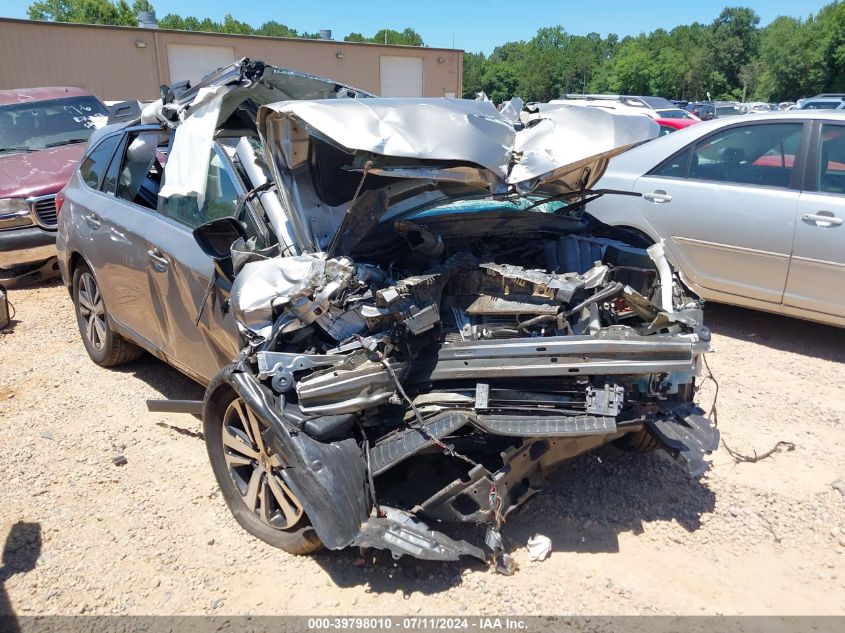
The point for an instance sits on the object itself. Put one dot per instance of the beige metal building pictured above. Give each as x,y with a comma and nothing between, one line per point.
118,63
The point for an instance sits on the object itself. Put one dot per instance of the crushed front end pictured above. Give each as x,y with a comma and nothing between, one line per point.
452,325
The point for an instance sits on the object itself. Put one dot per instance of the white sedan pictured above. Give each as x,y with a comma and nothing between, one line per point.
751,209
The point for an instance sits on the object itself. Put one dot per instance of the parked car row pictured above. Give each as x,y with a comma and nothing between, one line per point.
654,107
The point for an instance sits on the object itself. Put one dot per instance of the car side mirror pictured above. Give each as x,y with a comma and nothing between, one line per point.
215,238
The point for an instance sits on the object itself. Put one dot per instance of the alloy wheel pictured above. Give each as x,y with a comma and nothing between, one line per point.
255,470
92,310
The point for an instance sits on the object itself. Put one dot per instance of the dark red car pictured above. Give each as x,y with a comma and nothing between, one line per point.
43,133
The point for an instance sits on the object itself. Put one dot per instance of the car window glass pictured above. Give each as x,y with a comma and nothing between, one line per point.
109,183
820,105
221,198
675,167
139,179
832,159
95,163
750,154
41,124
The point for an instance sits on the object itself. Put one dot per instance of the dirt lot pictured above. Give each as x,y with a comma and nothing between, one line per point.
631,534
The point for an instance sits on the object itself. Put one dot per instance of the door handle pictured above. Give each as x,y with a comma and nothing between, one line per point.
824,219
157,259
658,196
93,221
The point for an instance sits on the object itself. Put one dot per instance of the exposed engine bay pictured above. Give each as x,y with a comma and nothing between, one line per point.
465,354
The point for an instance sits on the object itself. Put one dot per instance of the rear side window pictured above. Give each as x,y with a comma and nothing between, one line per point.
675,167
140,174
832,159
761,155
95,164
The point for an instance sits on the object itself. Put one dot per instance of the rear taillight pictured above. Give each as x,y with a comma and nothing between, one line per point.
60,200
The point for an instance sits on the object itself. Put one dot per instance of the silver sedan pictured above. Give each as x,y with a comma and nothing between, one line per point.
751,209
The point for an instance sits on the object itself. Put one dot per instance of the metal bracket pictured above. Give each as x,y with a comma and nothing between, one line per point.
270,363
482,395
605,402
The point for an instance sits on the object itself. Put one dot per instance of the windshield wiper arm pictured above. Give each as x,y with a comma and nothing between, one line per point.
72,141
17,149
592,194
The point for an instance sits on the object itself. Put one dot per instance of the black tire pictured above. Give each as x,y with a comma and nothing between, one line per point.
105,347
638,442
643,441
261,514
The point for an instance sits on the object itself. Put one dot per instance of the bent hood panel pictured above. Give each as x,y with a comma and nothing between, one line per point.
441,141
461,131
431,129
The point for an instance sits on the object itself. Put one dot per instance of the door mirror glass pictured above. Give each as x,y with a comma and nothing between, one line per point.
215,238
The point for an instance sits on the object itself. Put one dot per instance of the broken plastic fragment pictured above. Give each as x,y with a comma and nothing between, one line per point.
539,547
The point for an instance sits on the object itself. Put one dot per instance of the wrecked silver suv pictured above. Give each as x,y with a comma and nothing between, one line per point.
428,321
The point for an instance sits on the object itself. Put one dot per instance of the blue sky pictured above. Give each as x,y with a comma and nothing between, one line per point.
475,26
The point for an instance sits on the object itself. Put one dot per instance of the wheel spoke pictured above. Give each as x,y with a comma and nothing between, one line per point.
240,445
242,418
100,329
85,301
287,502
87,281
256,430
89,327
264,497
252,490
233,460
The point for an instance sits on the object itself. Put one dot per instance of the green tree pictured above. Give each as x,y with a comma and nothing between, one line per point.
734,41
235,27
119,13
408,37
828,63
276,29
786,59
473,69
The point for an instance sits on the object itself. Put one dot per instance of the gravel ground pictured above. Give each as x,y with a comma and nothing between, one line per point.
631,534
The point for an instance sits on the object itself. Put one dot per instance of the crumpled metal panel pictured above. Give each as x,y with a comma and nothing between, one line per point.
562,141
281,280
402,533
557,142
435,129
200,111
